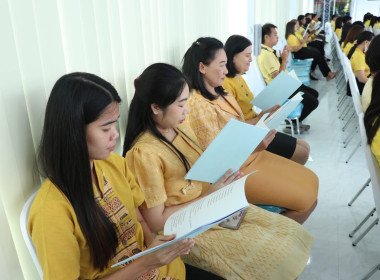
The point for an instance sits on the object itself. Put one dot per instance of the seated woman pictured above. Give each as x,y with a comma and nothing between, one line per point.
239,57
372,57
210,108
338,27
371,116
357,58
160,148
350,38
301,52
85,216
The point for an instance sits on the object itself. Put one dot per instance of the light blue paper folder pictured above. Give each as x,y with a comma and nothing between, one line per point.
277,91
230,148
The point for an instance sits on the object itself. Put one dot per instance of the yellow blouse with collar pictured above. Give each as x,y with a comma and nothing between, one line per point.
207,118
62,249
156,166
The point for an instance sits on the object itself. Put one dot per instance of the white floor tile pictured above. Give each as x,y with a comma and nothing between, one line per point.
332,255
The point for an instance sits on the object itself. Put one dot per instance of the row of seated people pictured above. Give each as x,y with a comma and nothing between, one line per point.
340,24
354,43
304,45
96,208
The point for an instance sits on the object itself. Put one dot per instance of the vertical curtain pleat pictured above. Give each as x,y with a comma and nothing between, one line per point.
45,39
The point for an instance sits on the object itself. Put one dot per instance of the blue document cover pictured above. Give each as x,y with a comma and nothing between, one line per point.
230,148
277,92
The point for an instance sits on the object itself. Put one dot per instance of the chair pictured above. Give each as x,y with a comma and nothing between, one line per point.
25,234
374,171
258,79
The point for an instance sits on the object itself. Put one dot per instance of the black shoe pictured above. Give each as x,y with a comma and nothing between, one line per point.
313,78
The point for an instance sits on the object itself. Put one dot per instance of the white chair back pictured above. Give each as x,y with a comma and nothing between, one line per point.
373,165
258,79
25,234
353,86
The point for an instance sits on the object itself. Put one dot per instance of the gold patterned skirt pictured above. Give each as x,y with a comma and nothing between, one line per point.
266,246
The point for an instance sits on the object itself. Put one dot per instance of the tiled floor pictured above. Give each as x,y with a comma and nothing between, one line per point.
332,255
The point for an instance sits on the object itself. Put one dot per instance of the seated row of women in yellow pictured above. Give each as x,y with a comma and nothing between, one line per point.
172,119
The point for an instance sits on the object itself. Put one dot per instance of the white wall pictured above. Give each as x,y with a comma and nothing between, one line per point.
360,7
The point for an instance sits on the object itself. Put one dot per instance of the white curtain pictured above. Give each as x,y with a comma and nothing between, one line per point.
41,40
44,39
279,12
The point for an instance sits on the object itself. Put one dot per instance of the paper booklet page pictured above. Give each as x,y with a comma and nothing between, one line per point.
201,215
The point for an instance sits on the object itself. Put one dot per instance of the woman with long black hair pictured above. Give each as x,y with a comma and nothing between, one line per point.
371,116
160,148
85,216
356,55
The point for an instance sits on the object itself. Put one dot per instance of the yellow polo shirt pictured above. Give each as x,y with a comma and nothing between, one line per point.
358,63
332,24
367,22
268,63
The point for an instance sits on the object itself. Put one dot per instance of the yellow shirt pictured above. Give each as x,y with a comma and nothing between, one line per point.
160,172
268,63
207,118
61,247
242,94
377,25
367,22
367,94
347,48
293,41
337,32
332,24
375,146
358,63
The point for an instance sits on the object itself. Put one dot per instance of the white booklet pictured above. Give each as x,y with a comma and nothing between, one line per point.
230,148
306,29
201,215
277,91
275,119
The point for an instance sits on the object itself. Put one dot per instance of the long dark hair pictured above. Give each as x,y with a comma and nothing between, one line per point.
352,34
289,29
363,36
338,23
76,100
235,44
202,50
159,84
345,30
372,115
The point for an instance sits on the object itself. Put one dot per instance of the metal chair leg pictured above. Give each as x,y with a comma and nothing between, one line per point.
372,272
351,234
366,184
356,241
354,151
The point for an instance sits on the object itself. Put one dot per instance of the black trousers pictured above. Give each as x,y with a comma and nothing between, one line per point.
318,59
360,87
319,45
310,100
194,273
